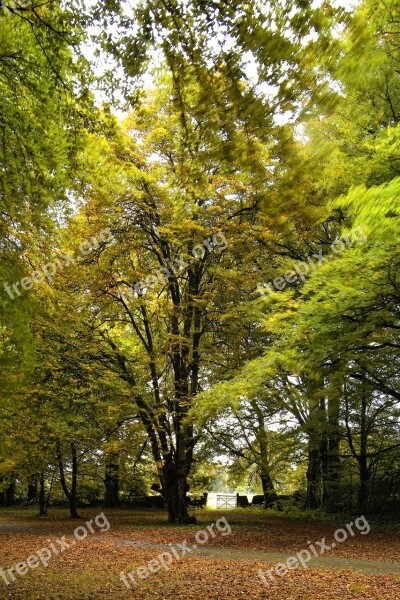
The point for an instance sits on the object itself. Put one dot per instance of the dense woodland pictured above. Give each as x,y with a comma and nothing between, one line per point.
200,246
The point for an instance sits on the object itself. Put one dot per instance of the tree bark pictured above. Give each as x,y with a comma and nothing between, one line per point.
316,429
363,467
174,490
7,497
314,471
32,491
111,481
70,494
332,471
42,497
270,495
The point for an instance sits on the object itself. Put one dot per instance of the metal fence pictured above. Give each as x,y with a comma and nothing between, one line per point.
226,500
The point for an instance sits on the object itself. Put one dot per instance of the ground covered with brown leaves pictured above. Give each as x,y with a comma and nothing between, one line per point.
228,569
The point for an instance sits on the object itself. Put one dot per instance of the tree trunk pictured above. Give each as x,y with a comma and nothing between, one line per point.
7,497
10,494
364,487
270,495
111,469
72,508
174,489
313,499
332,471
42,497
70,494
32,491
316,428
111,481
72,499
364,470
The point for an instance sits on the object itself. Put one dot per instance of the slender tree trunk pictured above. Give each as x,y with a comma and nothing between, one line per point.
111,481
74,484
270,495
42,497
111,470
364,487
70,495
364,470
32,491
316,429
332,472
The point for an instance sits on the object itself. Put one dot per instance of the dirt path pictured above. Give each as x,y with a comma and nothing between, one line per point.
369,567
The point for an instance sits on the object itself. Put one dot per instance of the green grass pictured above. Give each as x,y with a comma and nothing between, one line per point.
242,517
